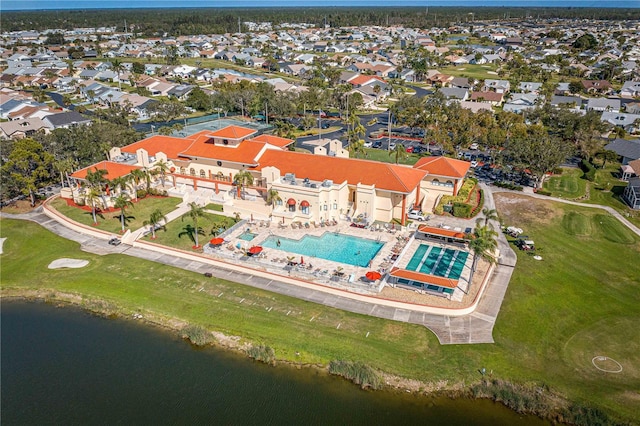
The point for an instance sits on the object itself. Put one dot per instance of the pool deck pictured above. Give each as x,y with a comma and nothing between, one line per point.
449,328
315,269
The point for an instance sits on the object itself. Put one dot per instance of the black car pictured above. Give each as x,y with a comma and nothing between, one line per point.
115,241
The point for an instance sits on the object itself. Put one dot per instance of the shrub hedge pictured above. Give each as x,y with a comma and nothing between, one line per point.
588,169
359,373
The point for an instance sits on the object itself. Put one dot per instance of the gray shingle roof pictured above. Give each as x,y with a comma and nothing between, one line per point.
625,148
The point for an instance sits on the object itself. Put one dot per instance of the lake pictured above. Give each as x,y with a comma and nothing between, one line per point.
66,366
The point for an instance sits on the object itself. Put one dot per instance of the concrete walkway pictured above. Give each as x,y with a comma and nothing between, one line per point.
474,328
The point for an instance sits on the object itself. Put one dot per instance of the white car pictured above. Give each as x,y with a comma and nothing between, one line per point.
417,215
392,146
474,164
368,144
473,146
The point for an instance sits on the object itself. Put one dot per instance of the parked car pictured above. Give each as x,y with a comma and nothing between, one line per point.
417,215
409,149
473,146
377,144
368,144
474,164
392,145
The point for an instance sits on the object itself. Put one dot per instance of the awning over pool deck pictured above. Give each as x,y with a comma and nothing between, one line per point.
450,235
427,279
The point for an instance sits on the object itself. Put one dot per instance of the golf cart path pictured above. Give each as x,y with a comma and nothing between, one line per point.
608,209
476,327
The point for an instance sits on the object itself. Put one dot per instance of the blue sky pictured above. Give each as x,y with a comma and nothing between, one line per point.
101,4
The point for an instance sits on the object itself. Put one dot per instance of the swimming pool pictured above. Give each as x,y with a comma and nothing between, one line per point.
247,236
331,246
443,262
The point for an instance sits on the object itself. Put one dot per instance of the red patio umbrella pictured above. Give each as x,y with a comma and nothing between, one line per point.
216,241
301,260
373,275
254,250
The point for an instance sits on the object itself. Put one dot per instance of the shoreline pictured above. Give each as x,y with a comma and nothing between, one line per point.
240,346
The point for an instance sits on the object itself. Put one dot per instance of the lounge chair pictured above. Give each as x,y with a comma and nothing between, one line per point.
306,225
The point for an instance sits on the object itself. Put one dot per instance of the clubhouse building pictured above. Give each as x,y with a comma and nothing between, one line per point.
307,187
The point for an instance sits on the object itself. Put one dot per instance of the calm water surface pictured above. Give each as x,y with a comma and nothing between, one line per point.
65,366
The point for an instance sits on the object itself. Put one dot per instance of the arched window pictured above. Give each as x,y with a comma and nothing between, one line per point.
183,170
192,171
203,174
435,182
449,183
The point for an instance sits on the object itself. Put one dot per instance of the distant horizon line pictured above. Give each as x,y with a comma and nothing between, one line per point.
45,5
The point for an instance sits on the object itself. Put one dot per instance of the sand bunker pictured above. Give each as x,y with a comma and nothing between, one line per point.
68,263
1,244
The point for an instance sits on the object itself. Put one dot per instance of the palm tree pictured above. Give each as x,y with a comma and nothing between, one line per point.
116,64
399,152
120,182
97,180
195,213
241,179
489,214
273,197
136,177
483,244
122,201
162,168
155,218
92,197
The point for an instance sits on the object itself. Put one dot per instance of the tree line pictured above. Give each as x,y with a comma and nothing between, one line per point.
187,21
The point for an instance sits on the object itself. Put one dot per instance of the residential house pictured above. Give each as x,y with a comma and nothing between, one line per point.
627,149
597,86
454,93
492,98
574,102
630,89
629,122
530,87
65,120
631,193
498,86
521,102
603,104
22,128
476,107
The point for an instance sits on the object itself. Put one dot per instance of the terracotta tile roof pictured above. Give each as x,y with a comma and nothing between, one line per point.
443,166
391,177
114,170
233,132
171,146
247,152
363,79
423,278
442,232
273,140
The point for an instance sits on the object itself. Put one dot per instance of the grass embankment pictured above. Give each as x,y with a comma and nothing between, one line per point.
110,221
180,233
580,301
569,185
606,189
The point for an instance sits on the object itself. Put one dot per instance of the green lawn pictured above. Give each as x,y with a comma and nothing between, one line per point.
478,72
384,156
582,300
568,185
180,233
110,221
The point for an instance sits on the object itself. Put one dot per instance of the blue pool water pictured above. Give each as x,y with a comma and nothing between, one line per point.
247,236
447,263
331,246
